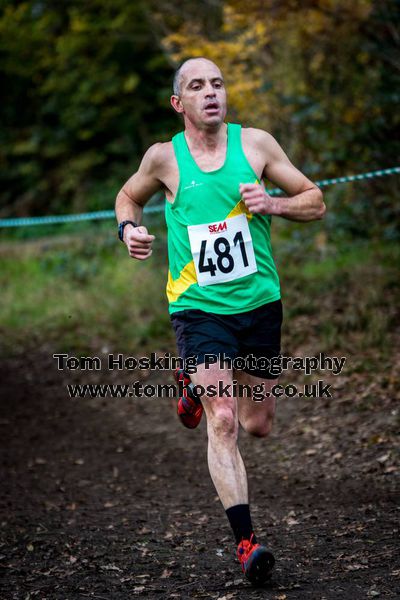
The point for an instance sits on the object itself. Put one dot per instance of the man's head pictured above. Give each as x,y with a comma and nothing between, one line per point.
199,93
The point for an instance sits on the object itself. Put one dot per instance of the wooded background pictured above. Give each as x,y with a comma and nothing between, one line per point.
86,89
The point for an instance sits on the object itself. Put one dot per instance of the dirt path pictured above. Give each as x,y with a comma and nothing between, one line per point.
111,498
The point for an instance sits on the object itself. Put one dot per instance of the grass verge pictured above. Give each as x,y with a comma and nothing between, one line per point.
82,294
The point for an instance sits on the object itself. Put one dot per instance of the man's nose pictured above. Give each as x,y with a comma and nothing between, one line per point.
209,90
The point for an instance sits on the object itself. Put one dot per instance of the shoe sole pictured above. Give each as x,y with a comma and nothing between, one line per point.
261,565
186,419
189,420
187,424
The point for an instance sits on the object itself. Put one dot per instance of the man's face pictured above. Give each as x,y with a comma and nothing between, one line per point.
202,97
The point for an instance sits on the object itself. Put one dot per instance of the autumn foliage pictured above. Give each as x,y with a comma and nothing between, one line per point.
87,85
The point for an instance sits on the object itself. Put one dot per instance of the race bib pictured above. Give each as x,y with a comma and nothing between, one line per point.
222,251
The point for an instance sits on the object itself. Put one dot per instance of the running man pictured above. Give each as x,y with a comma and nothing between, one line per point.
223,287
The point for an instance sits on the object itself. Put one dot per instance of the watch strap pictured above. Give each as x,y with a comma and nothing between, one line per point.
121,228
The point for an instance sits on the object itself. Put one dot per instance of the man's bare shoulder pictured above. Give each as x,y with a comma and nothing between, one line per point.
161,150
260,137
157,154
263,144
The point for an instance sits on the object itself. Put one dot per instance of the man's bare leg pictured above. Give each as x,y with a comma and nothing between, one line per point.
225,463
256,417
223,414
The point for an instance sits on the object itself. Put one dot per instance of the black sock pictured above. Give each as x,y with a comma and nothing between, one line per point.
240,520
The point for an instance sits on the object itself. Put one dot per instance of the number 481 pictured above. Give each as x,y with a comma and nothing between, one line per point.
222,254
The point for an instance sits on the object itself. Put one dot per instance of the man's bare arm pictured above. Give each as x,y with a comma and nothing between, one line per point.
130,202
139,188
305,199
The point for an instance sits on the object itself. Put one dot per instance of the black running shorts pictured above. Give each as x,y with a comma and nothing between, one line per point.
251,335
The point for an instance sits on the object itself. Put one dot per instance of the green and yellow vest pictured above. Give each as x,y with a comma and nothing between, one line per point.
212,198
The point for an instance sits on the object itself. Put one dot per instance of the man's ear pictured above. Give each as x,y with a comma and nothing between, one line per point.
177,104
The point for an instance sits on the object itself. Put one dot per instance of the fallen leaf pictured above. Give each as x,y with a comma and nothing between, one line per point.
391,469
382,459
144,530
166,573
110,568
355,567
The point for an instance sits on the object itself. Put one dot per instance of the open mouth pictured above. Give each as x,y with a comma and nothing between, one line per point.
211,107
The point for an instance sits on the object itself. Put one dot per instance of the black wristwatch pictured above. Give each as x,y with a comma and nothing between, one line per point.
121,228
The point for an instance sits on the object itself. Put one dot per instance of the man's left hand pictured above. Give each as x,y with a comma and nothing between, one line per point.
256,198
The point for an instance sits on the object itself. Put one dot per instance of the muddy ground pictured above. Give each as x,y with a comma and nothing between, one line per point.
111,498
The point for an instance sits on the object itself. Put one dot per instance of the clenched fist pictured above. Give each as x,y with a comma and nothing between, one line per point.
256,198
138,241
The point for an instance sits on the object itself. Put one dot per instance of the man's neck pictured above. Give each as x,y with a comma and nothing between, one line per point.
207,140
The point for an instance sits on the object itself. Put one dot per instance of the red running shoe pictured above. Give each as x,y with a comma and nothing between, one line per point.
190,409
257,562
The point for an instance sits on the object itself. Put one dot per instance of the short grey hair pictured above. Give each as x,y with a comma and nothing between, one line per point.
176,86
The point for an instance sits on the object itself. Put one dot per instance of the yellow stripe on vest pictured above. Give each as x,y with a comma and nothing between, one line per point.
187,276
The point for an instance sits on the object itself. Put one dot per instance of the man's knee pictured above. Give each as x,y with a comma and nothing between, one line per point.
259,427
222,418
